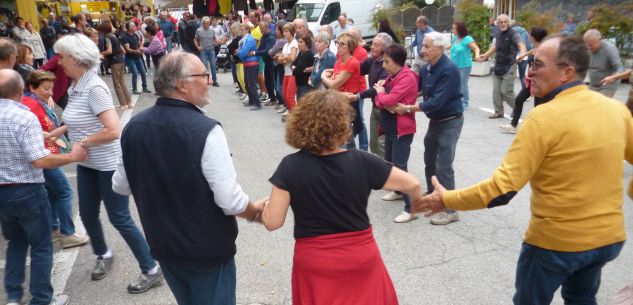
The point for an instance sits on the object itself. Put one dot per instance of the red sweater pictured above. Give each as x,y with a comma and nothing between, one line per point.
404,89
62,81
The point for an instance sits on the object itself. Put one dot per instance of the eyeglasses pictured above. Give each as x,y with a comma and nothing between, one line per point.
205,75
537,64
340,43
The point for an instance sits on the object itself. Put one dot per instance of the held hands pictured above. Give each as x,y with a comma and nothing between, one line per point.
432,203
79,153
482,58
379,87
259,206
609,79
327,73
399,109
351,97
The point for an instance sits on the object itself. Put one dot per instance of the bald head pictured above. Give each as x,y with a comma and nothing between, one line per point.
328,29
8,53
11,85
300,24
592,39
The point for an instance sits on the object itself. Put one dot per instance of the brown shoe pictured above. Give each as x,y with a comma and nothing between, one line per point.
56,235
69,241
496,116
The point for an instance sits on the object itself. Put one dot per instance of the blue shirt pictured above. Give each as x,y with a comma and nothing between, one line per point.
441,89
524,36
166,26
419,38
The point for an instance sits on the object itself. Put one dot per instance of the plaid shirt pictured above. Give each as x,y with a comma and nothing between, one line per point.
22,143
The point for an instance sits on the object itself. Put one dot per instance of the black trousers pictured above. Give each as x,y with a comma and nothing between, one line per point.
520,99
269,79
250,77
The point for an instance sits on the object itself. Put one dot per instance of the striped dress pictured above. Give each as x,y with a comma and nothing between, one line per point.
87,98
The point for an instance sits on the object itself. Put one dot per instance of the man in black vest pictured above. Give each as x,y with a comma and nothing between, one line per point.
508,44
176,164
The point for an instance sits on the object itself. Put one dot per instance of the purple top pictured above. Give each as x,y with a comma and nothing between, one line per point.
155,47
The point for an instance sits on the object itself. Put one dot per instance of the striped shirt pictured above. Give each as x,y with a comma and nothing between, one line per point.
87,98
22,143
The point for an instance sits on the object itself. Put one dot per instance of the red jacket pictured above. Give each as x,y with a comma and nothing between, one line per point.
404,90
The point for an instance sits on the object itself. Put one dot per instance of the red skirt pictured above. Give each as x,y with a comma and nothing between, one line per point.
340,269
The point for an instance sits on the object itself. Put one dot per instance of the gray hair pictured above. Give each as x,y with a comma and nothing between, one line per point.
173,67
79,47
328,28
11,84
503,16
385,38
206,19
422,19
7,48
301,21
438,39
592,34
354,31
323,36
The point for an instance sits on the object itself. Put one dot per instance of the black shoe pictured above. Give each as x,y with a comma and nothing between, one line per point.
145,282
256,108
147,90
215,84
135,92
248,104
102,267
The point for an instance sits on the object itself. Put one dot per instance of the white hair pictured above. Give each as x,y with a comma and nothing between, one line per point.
79,47
206,19
438,39
324,37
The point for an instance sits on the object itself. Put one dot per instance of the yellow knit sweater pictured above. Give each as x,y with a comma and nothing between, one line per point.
571,151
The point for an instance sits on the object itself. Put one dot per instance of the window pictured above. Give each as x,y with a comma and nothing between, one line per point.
331,13
310,12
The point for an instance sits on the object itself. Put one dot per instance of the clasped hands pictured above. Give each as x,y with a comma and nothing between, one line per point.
432,203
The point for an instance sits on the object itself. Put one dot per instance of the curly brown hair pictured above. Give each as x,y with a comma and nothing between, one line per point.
320,122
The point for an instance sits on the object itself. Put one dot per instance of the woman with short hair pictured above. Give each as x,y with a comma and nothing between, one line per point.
155,48
302,66
288,55
401,86
37,45
328,188
39,89
324,59
24,61
91,120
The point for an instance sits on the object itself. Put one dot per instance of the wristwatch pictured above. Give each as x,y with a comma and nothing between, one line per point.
408,109
84,142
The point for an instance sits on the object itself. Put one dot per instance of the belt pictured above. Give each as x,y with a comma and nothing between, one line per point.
448,118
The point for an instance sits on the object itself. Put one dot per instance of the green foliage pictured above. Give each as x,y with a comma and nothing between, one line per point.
612,21
418,3
530,17
475,15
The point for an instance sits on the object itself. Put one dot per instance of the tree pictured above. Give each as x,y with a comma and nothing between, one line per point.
475,15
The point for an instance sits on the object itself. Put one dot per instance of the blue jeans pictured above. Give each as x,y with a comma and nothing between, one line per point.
215,286
168,43
60,195
464,74
522,68
302,90
279,79
208,56
136,66
440,143
25,214
94,186
541,272
363,141
397,151
49,53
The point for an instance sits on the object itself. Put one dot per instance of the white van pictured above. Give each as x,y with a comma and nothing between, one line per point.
321,12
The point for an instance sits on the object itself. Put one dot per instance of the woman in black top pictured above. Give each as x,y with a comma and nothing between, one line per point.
384,27
114,53
302,66
328,188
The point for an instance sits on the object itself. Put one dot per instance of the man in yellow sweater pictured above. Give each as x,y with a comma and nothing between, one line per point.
570,150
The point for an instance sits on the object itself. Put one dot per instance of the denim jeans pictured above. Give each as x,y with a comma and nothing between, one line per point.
541,272
363,141
209,56
94,186
60,195
168,43
376,142
279,79
136,66
464,74
215,286
25,214
440,143
522,68
397,151
301,91
49,53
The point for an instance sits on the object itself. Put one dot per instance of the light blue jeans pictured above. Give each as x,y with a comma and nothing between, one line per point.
464,74
209,56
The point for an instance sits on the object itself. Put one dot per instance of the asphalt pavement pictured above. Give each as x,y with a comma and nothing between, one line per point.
472,261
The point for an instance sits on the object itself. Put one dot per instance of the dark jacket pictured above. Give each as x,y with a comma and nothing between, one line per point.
162,152
374,70
304,60
48,36
265,44
441,88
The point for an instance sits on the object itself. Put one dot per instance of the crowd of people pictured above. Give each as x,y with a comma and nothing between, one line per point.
318,82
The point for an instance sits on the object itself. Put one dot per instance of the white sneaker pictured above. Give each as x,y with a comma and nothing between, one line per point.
392,196
61,299
285,114
405,217
281,109
443,218
508,128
